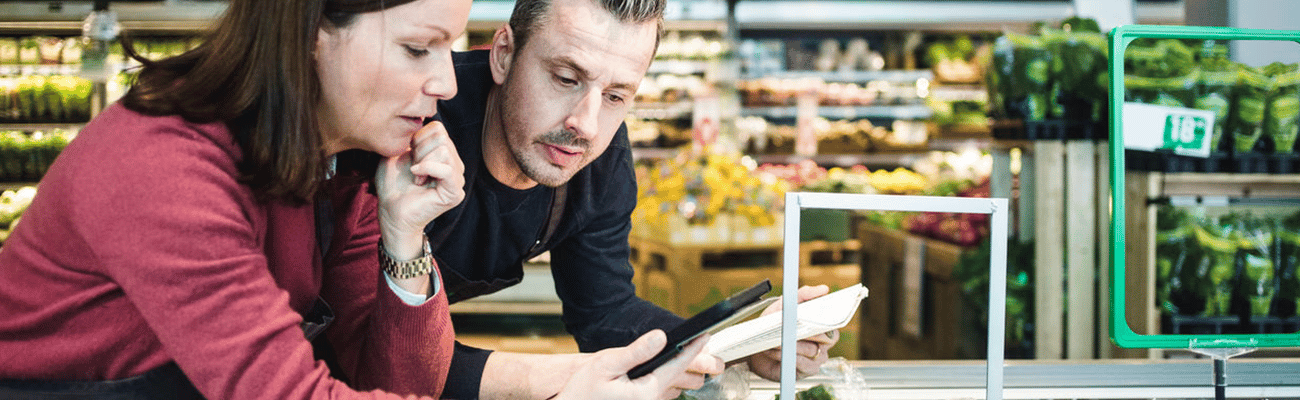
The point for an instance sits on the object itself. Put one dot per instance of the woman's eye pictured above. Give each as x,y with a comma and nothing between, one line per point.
614,98
415,51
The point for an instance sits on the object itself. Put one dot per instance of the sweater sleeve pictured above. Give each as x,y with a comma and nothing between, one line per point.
382,342
167,220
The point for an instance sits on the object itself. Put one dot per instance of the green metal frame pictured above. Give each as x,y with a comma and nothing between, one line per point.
1121,332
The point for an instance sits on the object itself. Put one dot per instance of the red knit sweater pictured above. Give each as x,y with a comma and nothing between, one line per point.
142,248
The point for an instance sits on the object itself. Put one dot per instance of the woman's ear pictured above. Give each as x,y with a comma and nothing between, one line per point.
502,52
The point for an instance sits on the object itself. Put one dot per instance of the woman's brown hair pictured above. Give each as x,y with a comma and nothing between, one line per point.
255,71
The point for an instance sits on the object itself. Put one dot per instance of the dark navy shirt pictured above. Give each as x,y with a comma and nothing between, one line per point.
481,244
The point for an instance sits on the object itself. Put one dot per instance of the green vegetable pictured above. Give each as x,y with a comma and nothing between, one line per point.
1283,107
29,88
1288,250
819,392
1252,92
1217,268
1023,69
1078,59
1215,88
1255,244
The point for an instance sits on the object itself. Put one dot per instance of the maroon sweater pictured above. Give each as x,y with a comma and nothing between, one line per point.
141,248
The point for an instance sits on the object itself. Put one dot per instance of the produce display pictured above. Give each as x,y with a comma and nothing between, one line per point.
769,92
953,60
1056,73
1237,264
960,174
714,192
1019,82
44,99
25,157
972,270
12,205
841,136
1255,108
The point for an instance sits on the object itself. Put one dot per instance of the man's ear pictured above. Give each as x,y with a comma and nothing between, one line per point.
502,52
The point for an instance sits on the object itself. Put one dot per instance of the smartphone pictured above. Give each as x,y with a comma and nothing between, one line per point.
726,312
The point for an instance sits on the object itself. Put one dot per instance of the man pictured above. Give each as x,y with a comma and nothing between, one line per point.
538,122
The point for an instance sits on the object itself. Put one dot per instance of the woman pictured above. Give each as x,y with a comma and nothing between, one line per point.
176,245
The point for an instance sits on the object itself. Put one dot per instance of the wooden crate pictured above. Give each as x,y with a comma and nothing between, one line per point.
686,279
914,311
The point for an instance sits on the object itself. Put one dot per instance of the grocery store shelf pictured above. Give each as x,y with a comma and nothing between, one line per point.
889,160
663,111
680,67
1231,185
975,93
851,76
1032,379
65,17
42,127
42,69
845,112
923,15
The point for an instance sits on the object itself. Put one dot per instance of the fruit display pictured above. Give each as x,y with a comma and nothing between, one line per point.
25,157
12,205
679,45
716,193
1238,264
842,136
770,91
44,99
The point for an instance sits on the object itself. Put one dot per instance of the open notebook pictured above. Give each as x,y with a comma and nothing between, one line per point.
816,316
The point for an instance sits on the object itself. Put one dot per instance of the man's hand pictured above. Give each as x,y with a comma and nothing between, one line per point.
605,377
811,352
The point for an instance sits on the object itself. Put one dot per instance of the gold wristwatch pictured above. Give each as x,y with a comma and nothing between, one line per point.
406,269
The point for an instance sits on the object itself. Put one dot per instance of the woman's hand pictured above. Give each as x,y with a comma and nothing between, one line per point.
811,352
605,376
416,187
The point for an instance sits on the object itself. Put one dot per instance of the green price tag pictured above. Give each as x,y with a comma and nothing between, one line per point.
1185,133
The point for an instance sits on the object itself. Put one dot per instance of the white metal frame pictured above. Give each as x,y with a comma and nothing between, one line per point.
797,201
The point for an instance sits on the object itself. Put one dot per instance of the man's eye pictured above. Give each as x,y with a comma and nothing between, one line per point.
416,52
566,81
616,99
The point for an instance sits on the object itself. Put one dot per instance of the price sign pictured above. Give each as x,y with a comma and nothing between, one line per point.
1185,134
1185,131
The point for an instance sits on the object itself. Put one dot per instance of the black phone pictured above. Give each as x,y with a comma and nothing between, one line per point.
725,312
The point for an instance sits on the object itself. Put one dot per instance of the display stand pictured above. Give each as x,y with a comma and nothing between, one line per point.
1220,347
998,208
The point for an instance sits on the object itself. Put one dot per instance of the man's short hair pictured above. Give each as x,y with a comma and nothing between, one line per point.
529,14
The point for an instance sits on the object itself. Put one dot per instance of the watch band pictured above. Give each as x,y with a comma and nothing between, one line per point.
406,269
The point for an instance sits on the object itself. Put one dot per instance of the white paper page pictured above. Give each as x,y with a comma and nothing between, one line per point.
816,316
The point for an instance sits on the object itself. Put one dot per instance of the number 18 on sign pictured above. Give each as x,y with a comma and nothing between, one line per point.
1184,131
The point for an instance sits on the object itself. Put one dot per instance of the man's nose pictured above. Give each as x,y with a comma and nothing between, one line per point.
585,114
